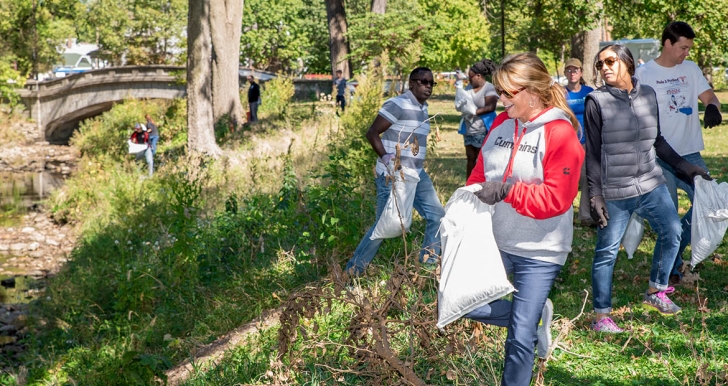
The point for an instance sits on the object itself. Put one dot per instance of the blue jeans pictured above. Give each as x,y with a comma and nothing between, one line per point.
147,154
153,143
427,205
254,110
656,207
533,280
673,183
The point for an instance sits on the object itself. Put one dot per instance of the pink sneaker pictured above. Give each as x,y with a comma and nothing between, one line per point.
606,325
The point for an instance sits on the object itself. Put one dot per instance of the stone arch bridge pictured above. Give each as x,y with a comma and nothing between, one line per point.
58,105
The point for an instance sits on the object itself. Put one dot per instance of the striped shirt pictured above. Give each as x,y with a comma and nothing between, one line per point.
406,115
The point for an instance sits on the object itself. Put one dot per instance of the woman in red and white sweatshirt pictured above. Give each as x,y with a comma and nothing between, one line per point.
529,169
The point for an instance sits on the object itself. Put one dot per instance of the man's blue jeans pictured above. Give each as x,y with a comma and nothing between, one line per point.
673,183
153,143
533,280
654,206
427,205
147,154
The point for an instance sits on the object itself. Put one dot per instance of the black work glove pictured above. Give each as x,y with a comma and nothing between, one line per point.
493,191
712,116
687,172
598,211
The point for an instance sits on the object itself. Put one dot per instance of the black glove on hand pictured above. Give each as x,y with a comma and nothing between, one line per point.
598,211
493,191
687,172
712,116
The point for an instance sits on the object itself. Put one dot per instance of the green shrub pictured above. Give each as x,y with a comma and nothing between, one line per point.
10,81
277,94
719,80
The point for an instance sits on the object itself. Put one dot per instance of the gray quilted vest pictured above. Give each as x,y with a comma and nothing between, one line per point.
629,129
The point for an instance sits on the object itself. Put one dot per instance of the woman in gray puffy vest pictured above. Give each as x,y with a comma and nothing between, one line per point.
622,142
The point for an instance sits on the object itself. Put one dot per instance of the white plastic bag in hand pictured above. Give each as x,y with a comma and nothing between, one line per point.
633,234
398,210
472,272
710,218
136,148
464,102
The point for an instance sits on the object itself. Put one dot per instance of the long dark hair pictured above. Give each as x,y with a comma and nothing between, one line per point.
624,55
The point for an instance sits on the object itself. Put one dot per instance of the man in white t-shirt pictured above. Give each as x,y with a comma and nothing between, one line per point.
679,84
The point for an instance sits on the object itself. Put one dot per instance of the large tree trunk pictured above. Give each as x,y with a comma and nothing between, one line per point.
200,131
585,46
337,37
379,6
226,19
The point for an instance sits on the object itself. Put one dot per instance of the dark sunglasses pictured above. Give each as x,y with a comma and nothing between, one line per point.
425,82
608,61
509,94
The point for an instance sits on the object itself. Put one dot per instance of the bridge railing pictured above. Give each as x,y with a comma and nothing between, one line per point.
105,75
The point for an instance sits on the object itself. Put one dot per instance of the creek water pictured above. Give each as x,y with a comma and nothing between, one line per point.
19,194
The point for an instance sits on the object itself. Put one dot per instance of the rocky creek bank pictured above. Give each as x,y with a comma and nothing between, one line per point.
30,253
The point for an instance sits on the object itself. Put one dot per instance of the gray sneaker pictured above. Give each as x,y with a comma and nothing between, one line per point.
659,302
544,330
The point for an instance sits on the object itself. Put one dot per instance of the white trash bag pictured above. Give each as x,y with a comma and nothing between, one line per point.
136,148
633,234
472,272
710,218
464,102
398,210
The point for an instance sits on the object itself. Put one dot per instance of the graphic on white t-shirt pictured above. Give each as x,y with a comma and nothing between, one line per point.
677,102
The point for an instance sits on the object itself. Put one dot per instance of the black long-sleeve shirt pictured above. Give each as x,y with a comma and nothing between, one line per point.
253,92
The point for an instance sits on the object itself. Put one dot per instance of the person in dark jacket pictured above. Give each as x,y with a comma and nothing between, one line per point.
253,98
622,142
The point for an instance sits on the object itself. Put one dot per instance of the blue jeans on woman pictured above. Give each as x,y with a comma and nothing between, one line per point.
427,205
657,208
153,143
673,183
533,280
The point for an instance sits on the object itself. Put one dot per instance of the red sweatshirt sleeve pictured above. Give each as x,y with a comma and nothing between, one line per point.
477,176
561,171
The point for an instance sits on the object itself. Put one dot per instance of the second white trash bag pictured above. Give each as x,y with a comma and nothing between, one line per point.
710,218
464,102
398,210
472,272
633,234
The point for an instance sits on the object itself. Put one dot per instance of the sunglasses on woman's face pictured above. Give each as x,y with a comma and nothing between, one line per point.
608,61
508,94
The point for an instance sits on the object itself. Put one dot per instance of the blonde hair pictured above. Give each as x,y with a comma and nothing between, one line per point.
527,70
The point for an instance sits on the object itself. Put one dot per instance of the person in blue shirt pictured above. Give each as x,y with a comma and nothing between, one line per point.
576,91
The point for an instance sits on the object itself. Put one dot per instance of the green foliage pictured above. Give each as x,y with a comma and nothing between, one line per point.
10,80
139,368
458,34
276,34
277,94
31,31
143,32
